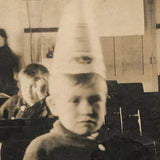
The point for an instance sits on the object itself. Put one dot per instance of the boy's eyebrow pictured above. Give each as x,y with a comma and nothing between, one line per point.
73,98
94,98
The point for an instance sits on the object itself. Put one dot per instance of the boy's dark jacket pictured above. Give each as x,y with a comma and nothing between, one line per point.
61,144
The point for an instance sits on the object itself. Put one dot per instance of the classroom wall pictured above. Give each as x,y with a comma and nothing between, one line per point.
15,17
127,55
9,20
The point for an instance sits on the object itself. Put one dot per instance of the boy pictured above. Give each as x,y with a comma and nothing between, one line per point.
77,134
81,113
30,101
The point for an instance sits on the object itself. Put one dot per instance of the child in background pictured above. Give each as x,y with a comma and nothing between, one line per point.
29,103
30,100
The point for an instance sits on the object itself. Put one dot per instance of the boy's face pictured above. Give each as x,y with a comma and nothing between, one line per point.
82,108
32,91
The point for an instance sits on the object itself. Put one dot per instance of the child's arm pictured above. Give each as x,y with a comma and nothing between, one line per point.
9,106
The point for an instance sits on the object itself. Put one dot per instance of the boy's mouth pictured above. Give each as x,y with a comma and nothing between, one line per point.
88,122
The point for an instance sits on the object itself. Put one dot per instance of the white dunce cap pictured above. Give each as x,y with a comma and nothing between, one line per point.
78,48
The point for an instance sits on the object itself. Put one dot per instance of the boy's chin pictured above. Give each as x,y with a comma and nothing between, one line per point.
85,131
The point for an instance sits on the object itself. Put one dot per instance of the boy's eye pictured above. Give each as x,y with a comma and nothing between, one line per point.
93,99
76,100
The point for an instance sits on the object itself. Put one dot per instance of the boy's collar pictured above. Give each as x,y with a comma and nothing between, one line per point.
61,130
92,141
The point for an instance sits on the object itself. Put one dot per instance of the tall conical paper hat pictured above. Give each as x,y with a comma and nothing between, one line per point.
78,48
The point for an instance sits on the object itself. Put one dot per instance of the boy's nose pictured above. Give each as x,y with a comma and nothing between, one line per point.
85,108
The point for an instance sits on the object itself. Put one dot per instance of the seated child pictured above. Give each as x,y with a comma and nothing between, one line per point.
30,100
28,103
77,134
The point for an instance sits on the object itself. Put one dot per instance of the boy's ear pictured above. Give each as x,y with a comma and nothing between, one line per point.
50,101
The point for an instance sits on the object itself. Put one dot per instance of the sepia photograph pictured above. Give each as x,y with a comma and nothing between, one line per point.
80,80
